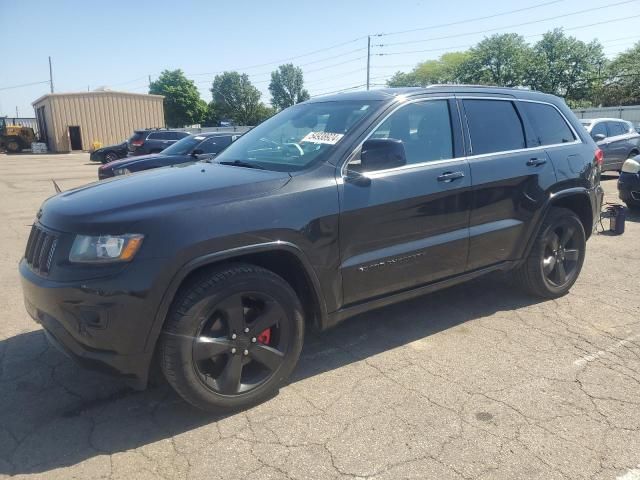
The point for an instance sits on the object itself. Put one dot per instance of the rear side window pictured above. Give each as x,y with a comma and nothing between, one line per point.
157,136
494,126
617,128
549,126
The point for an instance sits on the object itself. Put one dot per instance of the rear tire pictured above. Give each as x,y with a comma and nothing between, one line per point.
13,145
232,337
557,256
110,157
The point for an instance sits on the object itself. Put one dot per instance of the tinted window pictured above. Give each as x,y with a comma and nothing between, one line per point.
494,126
599,129
549,126
214,144
424,128
157,136
617,128
177,135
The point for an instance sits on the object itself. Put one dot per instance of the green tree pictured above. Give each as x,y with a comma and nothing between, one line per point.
565,66
235,98
497,60
287,86
622,86
182,103
443,70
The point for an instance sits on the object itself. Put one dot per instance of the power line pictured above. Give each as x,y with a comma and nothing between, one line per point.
460,22
531,22
525,36
24,85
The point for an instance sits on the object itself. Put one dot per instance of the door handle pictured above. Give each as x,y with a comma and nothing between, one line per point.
536,162
450,176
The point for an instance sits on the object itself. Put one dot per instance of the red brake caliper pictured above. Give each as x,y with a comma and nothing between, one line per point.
265,337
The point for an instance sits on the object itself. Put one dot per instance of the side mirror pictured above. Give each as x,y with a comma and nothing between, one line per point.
598,137
382,153
197,152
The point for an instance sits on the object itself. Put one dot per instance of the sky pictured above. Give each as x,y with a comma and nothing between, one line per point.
119,44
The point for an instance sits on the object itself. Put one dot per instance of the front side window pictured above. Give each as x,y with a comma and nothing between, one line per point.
299,136
599,129
423,127
494,126
214,144
549,126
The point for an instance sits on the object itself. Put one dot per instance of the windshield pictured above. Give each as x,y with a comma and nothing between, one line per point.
184,146
298,136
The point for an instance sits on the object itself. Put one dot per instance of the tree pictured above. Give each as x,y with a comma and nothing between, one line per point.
623,79
286,86
235,98
443,70
565,66
497,60
182,103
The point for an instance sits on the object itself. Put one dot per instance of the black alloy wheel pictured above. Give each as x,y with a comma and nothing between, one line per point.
232,337
561,255
110,157
241,344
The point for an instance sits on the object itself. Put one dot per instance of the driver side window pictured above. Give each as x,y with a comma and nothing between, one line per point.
424,128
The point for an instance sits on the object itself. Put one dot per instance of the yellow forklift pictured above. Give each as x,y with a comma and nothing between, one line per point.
15,138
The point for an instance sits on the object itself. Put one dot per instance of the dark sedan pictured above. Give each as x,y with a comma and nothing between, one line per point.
110,153
189,149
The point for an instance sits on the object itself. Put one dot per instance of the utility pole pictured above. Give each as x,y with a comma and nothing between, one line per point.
368,58
17,114
149,81
50,75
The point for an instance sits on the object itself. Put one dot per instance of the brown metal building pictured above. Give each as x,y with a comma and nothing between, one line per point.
73,121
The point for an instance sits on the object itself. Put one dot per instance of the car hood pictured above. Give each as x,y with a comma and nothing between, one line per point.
119,202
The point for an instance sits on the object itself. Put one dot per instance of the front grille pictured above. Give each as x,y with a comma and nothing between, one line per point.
40,249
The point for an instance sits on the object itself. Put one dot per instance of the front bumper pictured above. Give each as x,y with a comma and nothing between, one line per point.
99,323
629,187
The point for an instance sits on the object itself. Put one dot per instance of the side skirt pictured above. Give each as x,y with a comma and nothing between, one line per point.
349,311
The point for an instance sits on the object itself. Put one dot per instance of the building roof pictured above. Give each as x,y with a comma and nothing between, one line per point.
94,93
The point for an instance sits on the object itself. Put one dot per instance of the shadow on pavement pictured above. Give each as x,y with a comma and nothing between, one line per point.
54,414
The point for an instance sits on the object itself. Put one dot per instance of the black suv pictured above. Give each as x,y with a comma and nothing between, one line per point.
144,142
332,207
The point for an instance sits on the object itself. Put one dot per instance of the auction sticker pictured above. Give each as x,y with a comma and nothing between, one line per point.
322,137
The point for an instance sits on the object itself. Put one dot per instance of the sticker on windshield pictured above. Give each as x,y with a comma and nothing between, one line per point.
322,137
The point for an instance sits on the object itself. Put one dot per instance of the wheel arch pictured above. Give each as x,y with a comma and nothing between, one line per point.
283,258
578,201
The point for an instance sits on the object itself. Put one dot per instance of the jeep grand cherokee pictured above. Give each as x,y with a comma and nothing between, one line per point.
330,208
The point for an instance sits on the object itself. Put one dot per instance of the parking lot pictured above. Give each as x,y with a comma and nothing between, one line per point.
475,382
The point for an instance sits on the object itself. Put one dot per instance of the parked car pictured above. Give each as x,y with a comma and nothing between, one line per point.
629,183
330,208
189,149
637,126
616,138
110,153
145,142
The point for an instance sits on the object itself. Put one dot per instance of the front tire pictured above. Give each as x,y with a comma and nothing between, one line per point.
557,256
232,337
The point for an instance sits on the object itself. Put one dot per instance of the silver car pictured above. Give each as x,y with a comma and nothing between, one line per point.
617,138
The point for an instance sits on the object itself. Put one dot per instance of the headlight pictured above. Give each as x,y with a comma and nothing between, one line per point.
105,248
631,166
121,171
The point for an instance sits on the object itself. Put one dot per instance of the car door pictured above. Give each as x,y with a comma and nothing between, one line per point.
510,180
619,144
407,226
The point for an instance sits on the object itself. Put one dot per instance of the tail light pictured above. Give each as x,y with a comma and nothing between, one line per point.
599,157
137,143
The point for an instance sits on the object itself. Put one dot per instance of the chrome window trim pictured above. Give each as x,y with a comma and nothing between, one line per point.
385,172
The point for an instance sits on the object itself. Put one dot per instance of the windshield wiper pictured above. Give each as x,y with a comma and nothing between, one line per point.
242,163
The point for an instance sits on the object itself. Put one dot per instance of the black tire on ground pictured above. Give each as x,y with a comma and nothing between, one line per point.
110,157
232,337
555,261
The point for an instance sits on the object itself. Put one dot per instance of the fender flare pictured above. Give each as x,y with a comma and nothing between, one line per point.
211,258
554,196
